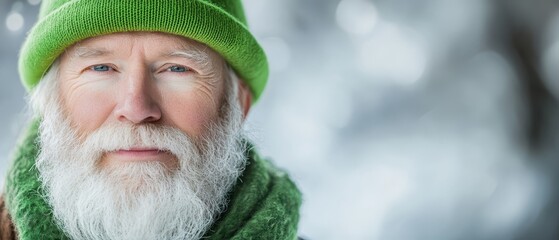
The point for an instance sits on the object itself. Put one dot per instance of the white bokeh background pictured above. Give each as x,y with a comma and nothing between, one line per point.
397,119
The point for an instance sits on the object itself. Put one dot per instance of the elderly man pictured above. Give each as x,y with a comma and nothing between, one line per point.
139,107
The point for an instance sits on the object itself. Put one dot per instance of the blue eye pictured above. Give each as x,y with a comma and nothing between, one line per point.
101,68
178,69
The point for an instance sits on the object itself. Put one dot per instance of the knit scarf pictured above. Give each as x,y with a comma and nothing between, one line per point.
264,204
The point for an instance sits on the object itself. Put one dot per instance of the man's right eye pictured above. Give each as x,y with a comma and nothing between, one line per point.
101,68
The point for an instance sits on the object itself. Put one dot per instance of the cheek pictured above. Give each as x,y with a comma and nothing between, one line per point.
190,113
87,110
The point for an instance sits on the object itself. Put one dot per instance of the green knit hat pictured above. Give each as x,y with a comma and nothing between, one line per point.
220,24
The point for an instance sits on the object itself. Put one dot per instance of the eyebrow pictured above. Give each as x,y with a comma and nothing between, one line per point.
85,52
196,55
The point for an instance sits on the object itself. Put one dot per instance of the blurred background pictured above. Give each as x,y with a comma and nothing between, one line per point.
398,119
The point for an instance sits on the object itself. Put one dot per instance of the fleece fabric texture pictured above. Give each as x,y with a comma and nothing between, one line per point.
264,204
220,24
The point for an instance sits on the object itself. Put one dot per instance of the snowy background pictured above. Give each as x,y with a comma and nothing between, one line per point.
398,119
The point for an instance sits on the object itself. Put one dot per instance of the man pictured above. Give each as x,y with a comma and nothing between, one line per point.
139,108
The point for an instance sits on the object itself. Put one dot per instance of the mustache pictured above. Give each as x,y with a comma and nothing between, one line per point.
116,137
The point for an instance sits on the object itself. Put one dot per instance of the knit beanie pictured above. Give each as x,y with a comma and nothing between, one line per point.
220,24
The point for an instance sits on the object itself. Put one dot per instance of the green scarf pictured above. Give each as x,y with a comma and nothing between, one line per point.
264,204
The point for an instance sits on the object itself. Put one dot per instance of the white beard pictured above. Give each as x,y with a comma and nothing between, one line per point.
144,200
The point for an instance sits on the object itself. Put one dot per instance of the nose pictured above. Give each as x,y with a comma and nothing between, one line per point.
137,104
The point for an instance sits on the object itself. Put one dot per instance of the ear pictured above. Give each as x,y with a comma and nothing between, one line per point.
245,97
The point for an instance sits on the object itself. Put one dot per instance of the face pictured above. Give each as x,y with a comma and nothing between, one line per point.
142,78
144,139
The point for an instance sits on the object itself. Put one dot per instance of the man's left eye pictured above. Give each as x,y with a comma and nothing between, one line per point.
178,69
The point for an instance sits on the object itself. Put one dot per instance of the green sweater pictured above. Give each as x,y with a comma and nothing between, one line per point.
264,204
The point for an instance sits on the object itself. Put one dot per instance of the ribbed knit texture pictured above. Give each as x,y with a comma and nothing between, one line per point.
264,204
220,24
